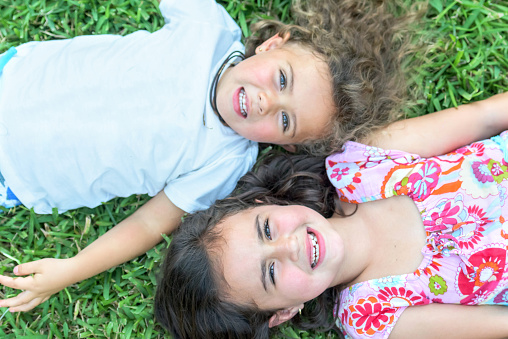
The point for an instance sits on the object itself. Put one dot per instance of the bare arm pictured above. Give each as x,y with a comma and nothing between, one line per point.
129,239
446,130
452,321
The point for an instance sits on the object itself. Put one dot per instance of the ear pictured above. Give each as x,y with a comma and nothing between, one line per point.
289,148
275,41
283,315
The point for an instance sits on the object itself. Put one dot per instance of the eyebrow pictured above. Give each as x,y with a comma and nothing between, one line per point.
263,262
291,84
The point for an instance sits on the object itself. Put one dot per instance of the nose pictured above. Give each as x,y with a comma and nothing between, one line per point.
287,247
267,102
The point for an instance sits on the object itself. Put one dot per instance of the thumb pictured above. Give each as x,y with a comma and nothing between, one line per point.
26,268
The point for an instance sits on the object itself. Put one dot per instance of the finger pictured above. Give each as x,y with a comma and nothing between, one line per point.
26,268
26,306
20,299
17,283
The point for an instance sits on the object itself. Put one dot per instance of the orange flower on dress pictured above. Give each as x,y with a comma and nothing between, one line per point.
369,315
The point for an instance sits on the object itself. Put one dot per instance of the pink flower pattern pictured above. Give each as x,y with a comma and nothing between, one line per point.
471,237
482,172
483,273
443,217
460,196
401,297
496,169
368,315
476,148
339,172
502,297
424,180
345,176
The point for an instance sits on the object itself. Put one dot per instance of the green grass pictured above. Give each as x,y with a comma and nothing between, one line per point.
469,62
470,58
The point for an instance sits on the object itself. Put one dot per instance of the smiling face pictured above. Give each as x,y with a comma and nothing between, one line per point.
279,257
281,95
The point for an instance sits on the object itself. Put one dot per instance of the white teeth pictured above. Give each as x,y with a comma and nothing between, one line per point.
241,100
315,250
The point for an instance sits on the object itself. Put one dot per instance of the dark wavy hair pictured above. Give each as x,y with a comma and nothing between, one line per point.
365,46
190,301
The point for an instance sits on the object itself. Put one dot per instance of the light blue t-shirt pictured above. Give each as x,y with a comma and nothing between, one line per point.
87,119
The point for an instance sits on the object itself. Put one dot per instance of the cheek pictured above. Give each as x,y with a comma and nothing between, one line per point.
300,286
260,131
296,282
260,77
264,76
254,70
292,221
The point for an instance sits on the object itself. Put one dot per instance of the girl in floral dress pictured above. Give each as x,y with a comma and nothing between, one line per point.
399,246
461,197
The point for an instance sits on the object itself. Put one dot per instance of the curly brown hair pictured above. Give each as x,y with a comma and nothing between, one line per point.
365,46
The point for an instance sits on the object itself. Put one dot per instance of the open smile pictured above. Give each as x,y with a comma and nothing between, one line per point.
315,248
240,103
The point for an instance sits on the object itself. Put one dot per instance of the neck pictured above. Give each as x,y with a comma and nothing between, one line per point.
359,244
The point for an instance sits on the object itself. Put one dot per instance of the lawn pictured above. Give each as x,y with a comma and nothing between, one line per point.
468,62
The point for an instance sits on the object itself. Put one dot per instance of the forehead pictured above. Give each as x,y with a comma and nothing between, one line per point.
312,98
240,256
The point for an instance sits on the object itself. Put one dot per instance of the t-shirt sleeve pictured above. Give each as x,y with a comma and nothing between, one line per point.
202,11
199,189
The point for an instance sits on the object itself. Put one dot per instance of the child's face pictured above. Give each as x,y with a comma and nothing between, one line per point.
281,95
268,256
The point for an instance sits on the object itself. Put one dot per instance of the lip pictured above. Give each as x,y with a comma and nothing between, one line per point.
236,103
321,244
308,247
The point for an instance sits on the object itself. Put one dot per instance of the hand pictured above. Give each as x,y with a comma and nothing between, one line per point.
47,276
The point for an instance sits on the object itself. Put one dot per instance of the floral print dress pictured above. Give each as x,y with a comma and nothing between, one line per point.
461,197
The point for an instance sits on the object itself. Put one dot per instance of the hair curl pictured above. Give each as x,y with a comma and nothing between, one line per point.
189,300
365,45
